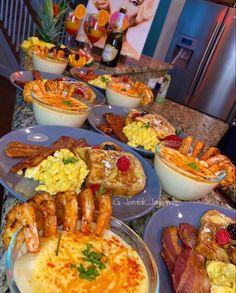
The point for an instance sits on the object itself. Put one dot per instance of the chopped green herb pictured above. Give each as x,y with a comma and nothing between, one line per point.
123,89
67,103
101,190
70,160
177,132
93,256
89,274
147,125
58,244
104,79
192,165
72,266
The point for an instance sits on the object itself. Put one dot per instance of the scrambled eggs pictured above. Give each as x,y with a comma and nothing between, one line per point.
60,172
222,277
141,134
100,81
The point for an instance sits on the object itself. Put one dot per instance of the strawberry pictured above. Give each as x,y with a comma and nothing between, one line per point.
123,163
55,9
95,188
222,237
125,79
173,137
135,115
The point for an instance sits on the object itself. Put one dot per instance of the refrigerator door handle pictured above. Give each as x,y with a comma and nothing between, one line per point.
199,69
209,59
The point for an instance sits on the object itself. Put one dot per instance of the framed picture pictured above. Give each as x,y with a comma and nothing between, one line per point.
140,13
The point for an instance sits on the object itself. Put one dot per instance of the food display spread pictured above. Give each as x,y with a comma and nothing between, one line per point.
205,258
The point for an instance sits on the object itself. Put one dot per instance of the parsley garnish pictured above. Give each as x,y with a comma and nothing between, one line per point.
95,258
177,131
70,160
123,89
147,125
72,266
192,165
67,103
58,244
101,190
104,79
89,274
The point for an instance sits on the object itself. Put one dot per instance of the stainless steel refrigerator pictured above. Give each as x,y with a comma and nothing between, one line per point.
203,52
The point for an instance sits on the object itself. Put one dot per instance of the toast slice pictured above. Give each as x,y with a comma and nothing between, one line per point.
103,170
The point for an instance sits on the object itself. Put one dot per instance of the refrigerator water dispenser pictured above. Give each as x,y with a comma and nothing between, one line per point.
183,51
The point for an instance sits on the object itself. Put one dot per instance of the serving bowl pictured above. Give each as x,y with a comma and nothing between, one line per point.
17,247
119,93
179,183
46,64
46,114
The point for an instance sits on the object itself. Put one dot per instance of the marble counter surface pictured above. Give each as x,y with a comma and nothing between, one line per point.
190,121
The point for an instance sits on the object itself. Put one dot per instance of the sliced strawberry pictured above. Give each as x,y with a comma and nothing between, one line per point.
125,79
96,146
173,137
79,92
95,188
135,115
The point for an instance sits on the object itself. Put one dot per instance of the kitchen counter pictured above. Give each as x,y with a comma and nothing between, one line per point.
194,123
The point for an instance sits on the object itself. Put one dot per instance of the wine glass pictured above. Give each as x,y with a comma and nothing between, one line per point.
72,25
93,30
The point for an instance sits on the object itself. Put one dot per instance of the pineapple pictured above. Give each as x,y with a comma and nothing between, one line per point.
50,16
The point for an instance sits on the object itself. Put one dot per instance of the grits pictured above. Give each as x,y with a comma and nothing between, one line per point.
124,271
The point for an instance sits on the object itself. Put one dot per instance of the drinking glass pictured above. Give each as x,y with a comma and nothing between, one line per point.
72,25
93,30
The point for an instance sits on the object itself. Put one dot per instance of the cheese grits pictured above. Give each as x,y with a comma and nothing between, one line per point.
75,262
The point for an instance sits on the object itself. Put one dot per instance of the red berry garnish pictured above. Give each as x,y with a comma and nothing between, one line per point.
95,188
222,237
173,137
135,115
125,79
96,146
123,163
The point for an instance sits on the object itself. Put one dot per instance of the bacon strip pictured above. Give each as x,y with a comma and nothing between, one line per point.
171,248
188,234
116,123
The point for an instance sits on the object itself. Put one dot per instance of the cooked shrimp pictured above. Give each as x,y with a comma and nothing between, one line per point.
51,86
230,173
36,87
45,209
197,148
67,210
185,145
70,91
217,159
211,152
60,87
22,215
104,213
86,203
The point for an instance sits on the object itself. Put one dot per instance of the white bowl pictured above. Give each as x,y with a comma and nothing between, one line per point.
115,98
179,185
45,64
50,115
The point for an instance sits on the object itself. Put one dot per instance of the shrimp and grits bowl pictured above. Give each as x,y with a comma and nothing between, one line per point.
60,244
186,176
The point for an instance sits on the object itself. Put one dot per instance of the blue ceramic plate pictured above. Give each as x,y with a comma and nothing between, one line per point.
174,215
84,70
124,208
96,117
27,76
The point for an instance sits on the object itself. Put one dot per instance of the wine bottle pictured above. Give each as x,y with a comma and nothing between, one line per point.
114,41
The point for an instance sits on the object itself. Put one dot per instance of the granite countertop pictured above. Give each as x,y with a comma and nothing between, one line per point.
192,122
128,65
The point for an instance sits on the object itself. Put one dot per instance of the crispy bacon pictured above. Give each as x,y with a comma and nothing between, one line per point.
17,149
64,142
171,247
36,75
189,274
116,123
33,160
104,127
188,234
